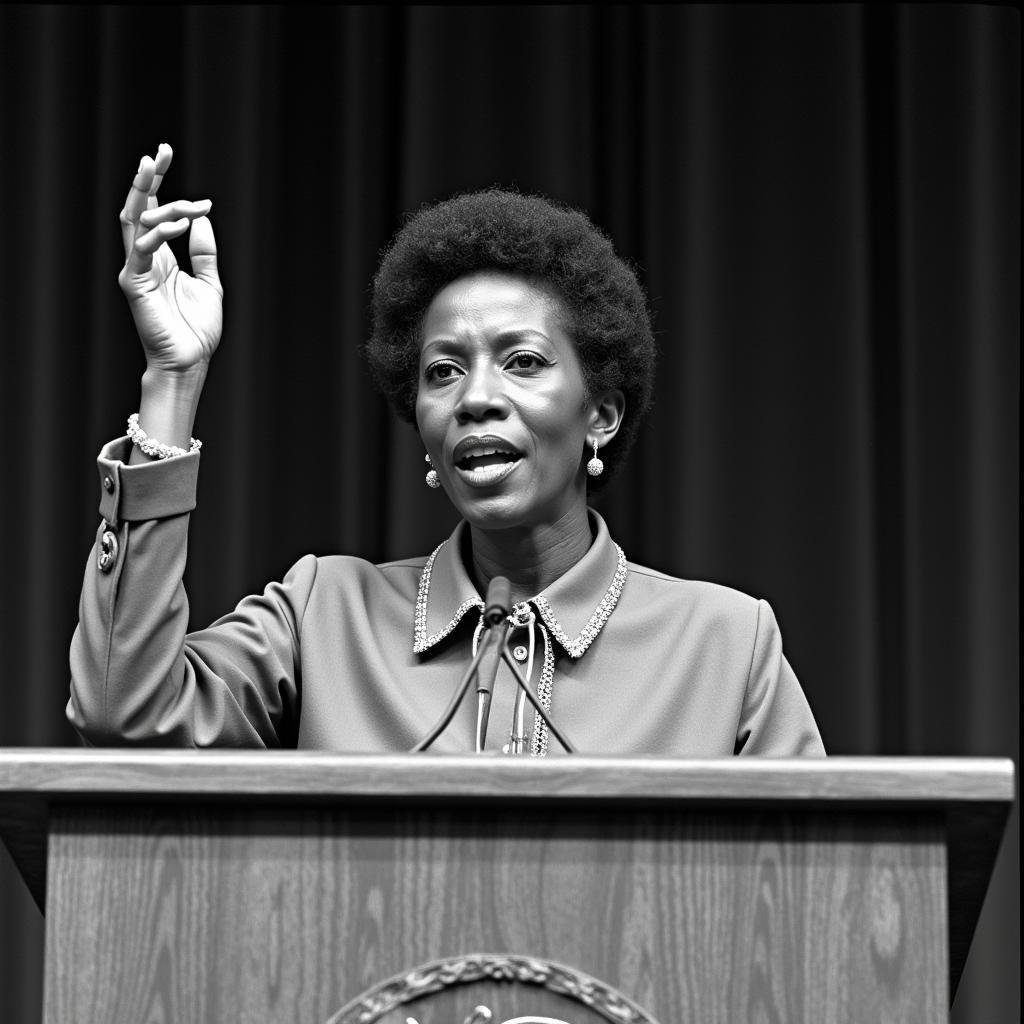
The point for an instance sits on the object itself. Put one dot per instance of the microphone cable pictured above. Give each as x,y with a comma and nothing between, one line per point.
494,612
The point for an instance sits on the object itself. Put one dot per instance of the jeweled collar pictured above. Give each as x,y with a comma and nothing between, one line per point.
574,608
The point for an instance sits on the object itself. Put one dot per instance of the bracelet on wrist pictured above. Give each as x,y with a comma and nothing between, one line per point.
155,449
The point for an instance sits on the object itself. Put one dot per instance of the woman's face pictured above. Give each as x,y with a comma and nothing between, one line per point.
501,403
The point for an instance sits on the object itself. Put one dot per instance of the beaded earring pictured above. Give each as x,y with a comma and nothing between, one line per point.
433,480
595,467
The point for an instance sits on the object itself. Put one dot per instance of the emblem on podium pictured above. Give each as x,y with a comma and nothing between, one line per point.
389,1001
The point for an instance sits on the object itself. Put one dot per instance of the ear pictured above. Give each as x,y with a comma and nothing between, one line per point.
606,415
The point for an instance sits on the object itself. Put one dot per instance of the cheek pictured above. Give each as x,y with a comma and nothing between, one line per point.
563,416
426,413
424,429
432,421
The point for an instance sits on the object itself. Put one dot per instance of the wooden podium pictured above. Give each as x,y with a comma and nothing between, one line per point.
287,886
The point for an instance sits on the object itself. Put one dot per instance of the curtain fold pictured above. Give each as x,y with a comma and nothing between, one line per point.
822,201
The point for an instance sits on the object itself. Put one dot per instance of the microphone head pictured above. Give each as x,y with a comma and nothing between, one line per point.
499,601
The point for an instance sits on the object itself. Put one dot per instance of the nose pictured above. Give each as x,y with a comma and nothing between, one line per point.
481,395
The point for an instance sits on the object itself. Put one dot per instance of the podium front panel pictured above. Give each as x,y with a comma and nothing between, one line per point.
171,912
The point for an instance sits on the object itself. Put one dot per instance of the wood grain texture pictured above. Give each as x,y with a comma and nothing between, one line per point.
973,794
170,913
309,774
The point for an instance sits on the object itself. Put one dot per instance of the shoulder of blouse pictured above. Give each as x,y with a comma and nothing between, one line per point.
661,584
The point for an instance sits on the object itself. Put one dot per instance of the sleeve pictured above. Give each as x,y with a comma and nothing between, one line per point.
776,720
136,677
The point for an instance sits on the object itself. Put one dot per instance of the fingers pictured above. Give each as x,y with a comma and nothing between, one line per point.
202,250
174,211
169,221
142,193
147,243
164,155
145,225
138,198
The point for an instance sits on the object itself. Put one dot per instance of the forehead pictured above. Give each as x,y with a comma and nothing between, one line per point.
492,301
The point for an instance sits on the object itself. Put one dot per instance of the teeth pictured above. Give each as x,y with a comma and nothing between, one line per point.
477,452
469,460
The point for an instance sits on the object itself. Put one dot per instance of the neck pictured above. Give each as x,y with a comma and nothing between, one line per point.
531,558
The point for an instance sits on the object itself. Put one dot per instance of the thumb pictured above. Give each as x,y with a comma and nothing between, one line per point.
202,251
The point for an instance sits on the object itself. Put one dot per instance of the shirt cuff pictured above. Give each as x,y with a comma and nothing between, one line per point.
151,490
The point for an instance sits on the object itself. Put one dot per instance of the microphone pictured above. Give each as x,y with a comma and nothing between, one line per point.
499,601
493,648
496,611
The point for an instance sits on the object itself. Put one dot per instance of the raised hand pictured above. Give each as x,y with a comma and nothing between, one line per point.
178,316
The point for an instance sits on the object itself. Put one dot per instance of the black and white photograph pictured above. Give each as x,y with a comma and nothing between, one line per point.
512,513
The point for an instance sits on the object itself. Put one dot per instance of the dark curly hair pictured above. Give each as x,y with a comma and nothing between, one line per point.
532,236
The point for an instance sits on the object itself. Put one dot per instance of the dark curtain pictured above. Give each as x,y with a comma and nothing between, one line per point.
822,201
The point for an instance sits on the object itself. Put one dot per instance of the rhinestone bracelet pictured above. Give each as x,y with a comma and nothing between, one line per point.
153,448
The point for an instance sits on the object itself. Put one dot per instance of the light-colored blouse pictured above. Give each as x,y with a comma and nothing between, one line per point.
345,655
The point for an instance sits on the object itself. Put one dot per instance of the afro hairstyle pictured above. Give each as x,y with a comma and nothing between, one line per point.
556,246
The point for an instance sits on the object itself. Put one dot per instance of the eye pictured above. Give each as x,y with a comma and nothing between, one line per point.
441,371
525,360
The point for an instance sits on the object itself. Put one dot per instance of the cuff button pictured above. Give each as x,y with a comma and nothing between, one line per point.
108,484
108,551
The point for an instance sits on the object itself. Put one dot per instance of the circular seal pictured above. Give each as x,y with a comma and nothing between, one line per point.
437,975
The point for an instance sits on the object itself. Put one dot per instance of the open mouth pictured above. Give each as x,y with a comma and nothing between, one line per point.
487,464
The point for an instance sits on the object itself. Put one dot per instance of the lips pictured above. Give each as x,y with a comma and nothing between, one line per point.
481,461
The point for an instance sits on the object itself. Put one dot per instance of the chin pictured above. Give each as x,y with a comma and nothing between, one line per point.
510,510
500,512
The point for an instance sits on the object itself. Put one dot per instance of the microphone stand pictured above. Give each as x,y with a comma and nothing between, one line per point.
485,678
495,614
460,692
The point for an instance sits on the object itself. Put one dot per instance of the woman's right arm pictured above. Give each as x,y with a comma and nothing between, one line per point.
133,677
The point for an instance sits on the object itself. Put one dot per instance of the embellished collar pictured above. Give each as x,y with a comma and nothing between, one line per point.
574,608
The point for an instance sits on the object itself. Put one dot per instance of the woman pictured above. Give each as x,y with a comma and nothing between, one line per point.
510,333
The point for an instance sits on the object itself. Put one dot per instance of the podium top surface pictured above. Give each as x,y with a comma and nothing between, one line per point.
62,774
972,795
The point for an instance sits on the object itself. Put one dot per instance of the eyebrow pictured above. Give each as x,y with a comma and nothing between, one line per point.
502,339
522,332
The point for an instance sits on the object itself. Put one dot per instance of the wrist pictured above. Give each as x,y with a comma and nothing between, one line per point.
167,409
181,387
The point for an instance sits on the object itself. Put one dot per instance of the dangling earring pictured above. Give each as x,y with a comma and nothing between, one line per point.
433,480
595,467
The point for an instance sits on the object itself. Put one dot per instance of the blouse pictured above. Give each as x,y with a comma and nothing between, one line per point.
348,656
